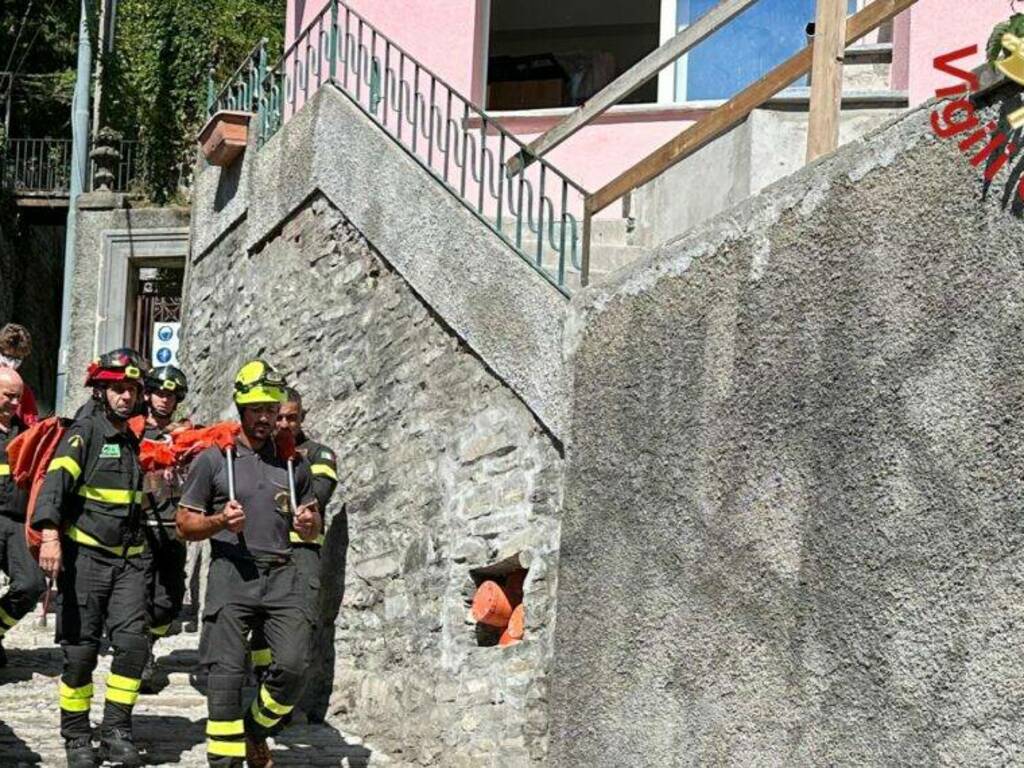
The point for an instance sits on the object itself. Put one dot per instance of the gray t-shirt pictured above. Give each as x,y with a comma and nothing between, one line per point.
261,486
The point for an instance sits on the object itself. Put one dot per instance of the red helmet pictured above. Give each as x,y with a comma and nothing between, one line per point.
119,365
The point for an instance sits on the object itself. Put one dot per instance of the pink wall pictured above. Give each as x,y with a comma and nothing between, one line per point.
603,150
448,36
442,34
934,27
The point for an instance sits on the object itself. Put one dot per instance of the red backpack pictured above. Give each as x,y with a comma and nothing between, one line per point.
29,455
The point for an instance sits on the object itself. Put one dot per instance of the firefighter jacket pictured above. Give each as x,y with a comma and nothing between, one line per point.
12,498
162,488
93,486
324,469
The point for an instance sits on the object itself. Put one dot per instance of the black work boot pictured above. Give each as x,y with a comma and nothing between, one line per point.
116,747
79,753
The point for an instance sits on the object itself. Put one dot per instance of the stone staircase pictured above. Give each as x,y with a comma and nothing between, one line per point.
169,726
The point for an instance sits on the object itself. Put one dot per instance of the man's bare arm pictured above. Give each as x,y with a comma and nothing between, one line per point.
196,526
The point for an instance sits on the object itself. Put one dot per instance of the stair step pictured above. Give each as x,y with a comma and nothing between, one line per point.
799,97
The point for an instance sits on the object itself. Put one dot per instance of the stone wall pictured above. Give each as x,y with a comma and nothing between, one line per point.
444,470
793,506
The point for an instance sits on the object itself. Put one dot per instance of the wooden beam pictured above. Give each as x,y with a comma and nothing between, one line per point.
826,78
736,110
641,72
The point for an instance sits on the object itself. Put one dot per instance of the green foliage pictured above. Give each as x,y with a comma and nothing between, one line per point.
156,79
994,49
44,59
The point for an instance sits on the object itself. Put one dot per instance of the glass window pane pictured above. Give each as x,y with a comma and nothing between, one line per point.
750,46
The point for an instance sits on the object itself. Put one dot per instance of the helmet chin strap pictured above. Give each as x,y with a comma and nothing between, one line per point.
99,393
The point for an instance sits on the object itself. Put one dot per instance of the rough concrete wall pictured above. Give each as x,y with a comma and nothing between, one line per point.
792,527
92,225
444,470
770,145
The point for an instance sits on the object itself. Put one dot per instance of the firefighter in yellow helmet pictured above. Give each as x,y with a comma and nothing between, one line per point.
248,499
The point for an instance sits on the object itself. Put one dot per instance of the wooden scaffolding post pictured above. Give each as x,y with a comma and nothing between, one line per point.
826,78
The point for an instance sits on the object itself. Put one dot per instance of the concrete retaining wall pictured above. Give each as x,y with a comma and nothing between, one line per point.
793,505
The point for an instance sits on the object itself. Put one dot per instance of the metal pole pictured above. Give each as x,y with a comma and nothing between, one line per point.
79,164
102,44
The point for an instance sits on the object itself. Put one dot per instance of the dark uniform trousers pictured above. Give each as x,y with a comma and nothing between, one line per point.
92,491
307,563
97,587
324,470
165,564
243,596
27,582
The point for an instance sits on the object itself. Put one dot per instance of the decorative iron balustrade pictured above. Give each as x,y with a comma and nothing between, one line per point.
43,166
537,211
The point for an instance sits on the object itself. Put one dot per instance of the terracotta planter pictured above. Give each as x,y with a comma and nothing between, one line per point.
224,137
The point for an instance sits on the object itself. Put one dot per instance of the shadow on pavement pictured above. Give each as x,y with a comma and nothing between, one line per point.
165,739
23,663
14,752
318,745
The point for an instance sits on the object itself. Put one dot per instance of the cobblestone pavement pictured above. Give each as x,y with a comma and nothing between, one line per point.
169,726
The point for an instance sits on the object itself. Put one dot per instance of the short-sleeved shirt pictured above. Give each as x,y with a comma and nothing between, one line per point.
261,487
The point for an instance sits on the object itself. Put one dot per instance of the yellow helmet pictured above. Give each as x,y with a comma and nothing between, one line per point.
257,383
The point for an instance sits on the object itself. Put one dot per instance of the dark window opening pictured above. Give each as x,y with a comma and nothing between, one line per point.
545,54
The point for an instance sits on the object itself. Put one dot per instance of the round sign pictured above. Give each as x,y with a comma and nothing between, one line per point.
166,333
163,355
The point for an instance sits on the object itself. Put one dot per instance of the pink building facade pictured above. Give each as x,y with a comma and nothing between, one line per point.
465,42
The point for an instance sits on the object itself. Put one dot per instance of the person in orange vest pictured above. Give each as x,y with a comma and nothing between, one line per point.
165,389
15,346
89,514
247,505
26,579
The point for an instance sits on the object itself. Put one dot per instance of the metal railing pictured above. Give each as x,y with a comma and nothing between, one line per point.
242,90
535,208
43,166
538,211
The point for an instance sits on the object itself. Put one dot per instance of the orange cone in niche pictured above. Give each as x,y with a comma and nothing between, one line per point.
491,605
515,630
517,623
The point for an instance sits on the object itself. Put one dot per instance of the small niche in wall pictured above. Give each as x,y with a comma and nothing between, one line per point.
497,603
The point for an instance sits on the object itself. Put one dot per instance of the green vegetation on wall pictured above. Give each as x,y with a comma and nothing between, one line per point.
154,79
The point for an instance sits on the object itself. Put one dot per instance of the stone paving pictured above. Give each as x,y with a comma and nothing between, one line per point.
169,726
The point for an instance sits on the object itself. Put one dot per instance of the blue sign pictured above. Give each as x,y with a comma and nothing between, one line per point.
163,355
166,333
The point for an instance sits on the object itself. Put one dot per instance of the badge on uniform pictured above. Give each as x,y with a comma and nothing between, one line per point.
111,451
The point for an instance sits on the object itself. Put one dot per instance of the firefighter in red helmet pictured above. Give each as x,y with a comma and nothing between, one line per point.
88,512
